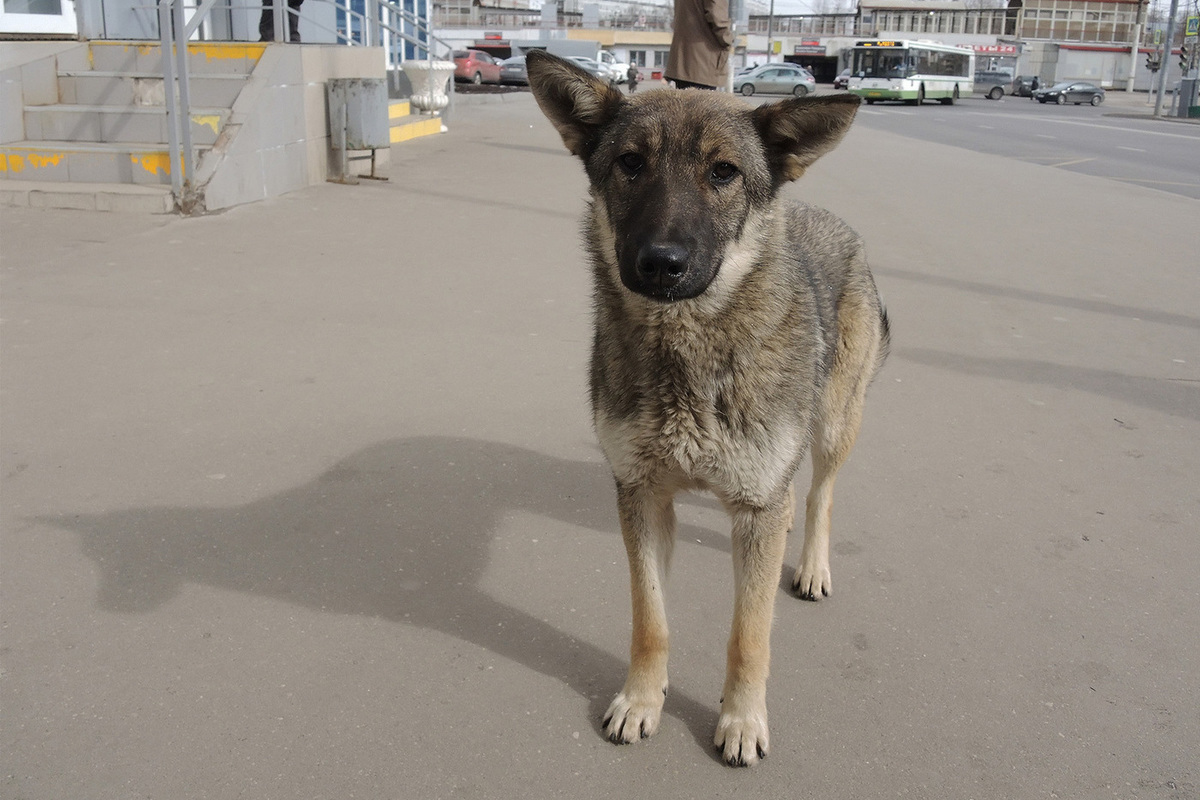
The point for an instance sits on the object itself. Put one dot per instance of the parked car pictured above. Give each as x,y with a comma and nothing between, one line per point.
1071,92
842,80
618,70
475,66
776,79
1024,85
993,84
593,66
512,71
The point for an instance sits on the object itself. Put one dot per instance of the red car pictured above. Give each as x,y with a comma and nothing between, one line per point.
475,66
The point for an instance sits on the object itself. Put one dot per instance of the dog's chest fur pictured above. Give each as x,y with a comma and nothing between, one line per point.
676,400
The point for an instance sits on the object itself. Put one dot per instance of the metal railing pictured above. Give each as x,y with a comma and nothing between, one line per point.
382,23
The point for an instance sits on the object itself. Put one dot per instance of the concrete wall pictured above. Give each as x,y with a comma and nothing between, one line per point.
277,139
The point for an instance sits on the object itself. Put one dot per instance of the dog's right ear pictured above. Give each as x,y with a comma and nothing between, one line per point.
576,102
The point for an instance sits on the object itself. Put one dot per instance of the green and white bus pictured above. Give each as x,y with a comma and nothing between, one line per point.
882,69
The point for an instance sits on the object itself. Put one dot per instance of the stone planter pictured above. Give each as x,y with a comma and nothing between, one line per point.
428,79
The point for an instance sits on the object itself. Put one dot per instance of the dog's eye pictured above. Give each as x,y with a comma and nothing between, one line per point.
632,163
723,172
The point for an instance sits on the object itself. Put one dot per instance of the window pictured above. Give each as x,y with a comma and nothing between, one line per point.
637,58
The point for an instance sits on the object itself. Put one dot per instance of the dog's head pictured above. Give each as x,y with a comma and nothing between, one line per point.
679,175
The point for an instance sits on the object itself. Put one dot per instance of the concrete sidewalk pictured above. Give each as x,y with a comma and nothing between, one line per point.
301,500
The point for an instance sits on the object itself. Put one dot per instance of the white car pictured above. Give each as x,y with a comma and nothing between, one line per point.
618,70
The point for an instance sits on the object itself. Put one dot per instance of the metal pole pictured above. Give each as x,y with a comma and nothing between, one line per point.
279,19
770,30
185,107
1165,67
165,39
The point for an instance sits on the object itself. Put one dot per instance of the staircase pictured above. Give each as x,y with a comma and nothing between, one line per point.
92,129
103,144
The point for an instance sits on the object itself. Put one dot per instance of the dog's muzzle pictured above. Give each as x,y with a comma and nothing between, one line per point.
662,267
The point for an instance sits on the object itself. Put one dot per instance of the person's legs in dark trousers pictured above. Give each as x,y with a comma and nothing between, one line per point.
266,23
682,84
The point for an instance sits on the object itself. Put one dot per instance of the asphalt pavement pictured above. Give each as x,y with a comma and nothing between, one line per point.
301,500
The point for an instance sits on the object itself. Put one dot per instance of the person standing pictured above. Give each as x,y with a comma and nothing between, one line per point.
700,44
632,76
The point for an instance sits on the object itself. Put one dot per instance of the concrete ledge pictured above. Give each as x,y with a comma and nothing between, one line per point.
414,127
127,198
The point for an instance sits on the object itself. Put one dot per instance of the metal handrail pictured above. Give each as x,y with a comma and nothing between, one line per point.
381,19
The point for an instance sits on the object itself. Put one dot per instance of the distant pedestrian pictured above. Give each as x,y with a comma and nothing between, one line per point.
633,76
700,45
266,23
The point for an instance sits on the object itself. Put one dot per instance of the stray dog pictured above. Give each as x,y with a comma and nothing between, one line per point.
734,330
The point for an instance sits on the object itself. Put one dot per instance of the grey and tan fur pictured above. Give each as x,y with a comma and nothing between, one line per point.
734,331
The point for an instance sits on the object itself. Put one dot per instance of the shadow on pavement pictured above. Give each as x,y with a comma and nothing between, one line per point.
400,531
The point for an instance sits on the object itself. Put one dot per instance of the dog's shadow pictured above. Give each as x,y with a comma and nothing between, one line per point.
399,531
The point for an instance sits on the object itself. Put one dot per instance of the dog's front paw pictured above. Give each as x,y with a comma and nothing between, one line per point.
633,715
812,580
743,738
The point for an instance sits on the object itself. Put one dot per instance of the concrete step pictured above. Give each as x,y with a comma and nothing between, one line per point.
134,124
80,162
203,57
129,198
109,88
405,125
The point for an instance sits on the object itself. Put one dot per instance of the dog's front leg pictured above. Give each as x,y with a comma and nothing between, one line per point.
648,527
759,540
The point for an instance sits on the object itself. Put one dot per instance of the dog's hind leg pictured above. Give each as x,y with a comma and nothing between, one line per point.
759,539
648,527
839,418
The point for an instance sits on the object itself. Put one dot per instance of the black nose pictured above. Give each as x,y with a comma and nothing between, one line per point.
662,265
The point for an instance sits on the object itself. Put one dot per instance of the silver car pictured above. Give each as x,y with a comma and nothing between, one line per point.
512,71
776,79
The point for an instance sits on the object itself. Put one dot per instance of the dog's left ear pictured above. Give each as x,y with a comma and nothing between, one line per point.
576,102
797,132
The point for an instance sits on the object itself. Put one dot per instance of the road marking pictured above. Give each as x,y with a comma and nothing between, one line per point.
1134,149
1046,136
1069,163
988,127
1156,183
1118,128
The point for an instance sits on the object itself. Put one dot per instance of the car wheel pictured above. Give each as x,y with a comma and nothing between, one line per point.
747,89
1097,99
1061,100
996,93
800,90
870,101
478,79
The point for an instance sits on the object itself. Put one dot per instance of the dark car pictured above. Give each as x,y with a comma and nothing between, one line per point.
1070,92
512,70
1025,85
476,67
842,80
993,84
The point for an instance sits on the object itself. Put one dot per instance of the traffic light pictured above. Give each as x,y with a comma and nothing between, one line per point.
1184,55
1151,63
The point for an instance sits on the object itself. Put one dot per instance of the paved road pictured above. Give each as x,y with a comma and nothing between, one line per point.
301,500
1082,139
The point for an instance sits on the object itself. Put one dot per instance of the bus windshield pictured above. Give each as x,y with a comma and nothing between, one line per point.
881,64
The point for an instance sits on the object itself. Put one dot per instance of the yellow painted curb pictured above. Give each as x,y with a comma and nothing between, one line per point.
413,130
398,109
